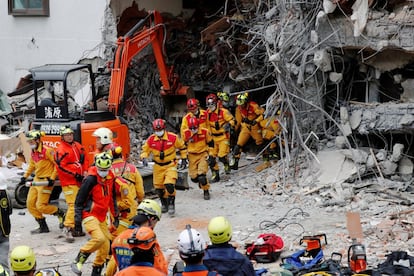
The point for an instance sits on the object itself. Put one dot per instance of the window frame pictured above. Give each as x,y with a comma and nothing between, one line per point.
44,11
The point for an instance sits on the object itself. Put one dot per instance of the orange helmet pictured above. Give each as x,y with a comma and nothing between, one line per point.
192,104
142,238
211,99
158,124
193,123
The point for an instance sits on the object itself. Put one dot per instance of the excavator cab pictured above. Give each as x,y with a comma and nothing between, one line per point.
65,95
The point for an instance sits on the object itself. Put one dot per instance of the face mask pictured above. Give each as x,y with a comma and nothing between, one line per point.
159,133
33,146
196,112
212,108
102,174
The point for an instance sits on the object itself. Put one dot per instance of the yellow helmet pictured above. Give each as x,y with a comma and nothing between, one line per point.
219,230
150,207
223,96
242,98
34,134
103,160
65,130
22,259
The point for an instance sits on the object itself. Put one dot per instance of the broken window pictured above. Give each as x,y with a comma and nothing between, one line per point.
28,7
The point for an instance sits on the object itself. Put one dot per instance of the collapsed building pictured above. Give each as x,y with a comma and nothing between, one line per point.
339,73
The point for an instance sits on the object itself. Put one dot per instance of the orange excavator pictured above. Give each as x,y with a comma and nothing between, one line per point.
65,93
149,30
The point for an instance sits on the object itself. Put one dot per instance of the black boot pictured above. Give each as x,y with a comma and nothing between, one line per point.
171,205
43,228
164,201
77,264
96,270
61,217
206,195
215,176
235,166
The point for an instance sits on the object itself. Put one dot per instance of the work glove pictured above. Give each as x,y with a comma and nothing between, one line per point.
78,177
227,127
145,162
245,120
253,122
22,181
51,182
184,164
78,227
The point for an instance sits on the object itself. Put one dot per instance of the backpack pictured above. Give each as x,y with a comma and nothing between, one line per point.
266,249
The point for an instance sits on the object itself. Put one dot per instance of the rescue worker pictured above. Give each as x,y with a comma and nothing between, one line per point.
23,261
6,210
220,122
191,246
248,117
42,163
149,213
198,141
95,198
225,101
271,129
163,146
130,173
194,110
221,256
72,166
104,139
142,243
127,187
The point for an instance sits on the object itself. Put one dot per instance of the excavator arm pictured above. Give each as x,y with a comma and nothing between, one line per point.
128,46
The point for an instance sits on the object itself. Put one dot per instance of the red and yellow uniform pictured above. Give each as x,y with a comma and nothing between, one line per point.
127,206
248,118
43,165
131,174
163,149
95,198
270,129
201,117
197,151
220,121
72,164
122,252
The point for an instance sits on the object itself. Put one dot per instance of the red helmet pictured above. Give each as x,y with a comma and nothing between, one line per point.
193,123
158,124
211,99
192,104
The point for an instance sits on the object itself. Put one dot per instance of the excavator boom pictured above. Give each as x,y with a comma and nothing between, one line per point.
149,30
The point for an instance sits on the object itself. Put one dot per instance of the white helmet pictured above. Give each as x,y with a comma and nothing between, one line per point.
190,243
105,134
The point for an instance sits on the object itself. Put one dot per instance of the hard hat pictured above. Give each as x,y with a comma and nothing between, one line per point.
34,134
158,124
65,130
223,96
150,207
190,243
103,160
105,134
193,123
192,104
142,238
22,259
242,99
219,230
211,99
